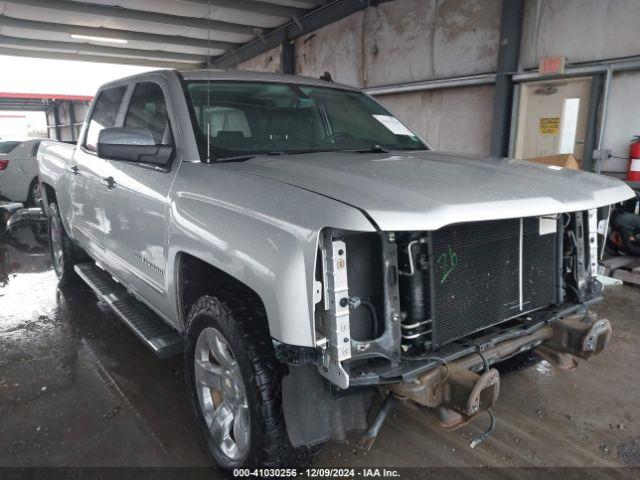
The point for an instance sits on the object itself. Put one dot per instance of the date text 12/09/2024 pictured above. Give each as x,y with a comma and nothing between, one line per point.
317,472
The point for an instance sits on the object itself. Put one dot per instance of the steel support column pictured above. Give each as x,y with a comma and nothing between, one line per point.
288,60
508,55
56,121
591,137
72,120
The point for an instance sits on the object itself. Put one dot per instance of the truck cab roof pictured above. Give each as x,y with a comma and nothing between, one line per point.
236,75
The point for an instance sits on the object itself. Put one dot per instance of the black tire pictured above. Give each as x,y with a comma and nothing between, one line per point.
243,326
631,247
33,196
63,252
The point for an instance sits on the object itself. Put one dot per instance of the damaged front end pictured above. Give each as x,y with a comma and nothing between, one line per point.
424,315
465,387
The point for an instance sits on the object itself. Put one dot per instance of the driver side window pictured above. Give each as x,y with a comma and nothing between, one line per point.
148,110
104,114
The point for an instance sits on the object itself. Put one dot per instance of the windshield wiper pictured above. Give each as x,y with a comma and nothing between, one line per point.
372,149
249,156
238,158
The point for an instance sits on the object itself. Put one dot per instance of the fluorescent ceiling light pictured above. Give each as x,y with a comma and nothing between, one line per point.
99,39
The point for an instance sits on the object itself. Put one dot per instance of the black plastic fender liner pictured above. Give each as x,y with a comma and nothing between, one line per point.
313,414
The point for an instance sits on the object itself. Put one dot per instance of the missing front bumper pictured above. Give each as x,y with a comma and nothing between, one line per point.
460,393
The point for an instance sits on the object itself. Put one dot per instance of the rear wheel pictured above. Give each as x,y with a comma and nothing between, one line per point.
234,383
63,252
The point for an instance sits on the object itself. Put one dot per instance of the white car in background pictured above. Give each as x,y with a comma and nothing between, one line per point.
19,170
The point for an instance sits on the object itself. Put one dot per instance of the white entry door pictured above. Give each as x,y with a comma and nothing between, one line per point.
552,118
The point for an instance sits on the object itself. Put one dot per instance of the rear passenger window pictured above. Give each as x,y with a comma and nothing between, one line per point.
104,114
148,110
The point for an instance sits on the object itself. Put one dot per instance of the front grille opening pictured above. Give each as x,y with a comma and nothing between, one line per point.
477,275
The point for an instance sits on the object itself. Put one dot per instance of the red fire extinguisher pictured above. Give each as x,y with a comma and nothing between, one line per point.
633,173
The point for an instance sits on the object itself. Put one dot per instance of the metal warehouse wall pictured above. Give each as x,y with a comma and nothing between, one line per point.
585,31
413,40
68,116
623,118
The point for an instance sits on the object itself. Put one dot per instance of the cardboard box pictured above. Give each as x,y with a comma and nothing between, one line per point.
566,160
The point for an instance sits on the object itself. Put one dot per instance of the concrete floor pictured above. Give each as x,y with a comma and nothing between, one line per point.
78,389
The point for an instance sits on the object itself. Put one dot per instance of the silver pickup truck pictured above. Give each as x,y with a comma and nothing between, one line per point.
306,252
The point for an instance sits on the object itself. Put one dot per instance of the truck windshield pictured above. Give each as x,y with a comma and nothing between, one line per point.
242,119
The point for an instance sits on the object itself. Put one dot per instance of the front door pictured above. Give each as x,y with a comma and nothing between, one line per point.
136,204
87,174
552,118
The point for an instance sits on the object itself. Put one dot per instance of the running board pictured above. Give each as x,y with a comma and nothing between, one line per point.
163,340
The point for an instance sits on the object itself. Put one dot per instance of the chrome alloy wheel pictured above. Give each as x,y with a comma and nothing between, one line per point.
221,394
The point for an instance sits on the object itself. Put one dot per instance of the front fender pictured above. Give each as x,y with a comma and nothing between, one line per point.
54,159
261,232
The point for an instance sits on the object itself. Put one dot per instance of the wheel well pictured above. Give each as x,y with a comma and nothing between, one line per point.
197,278
49,196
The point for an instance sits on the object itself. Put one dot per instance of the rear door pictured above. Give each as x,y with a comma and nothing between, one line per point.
87,173
136,207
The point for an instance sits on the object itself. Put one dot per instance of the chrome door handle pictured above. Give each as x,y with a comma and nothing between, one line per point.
75,170
109,182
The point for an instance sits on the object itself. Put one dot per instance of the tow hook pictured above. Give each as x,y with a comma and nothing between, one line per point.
575,336
462,394
468,393
581,336
458,393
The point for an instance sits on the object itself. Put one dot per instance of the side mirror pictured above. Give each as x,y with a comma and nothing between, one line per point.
132,145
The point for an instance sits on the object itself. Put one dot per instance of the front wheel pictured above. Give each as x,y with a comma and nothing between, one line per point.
234,383
63,252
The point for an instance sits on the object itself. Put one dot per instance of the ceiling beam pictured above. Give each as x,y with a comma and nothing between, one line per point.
140,62
136,15
322,16
308,4
253,6
90,49
23,107
36,26
45,96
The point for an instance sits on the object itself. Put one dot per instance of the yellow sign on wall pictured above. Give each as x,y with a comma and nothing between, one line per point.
549,125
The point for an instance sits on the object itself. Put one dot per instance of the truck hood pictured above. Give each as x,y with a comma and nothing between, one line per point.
427,190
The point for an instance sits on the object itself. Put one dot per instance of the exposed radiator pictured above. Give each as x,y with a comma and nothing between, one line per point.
476,279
